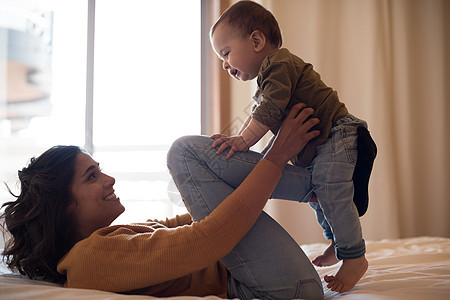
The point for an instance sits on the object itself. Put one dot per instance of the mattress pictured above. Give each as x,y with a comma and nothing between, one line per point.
413,268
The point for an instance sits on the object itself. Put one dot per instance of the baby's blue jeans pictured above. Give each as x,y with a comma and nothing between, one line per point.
332,171
267,263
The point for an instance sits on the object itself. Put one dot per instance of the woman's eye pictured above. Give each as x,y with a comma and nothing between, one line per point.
226,54
91,176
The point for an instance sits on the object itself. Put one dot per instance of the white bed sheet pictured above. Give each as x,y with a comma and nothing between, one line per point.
409,269
415,268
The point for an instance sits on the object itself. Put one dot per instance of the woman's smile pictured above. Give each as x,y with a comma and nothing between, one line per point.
111,196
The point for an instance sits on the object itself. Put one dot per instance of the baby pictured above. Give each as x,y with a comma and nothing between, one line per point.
248,40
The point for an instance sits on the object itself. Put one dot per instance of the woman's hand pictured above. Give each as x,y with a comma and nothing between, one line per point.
293,135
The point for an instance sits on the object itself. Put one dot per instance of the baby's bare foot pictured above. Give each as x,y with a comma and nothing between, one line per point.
348,275
328,257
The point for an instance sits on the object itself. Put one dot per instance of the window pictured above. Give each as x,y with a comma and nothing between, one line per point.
42,80
146,93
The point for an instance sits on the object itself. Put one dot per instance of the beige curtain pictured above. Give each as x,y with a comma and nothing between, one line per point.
390,63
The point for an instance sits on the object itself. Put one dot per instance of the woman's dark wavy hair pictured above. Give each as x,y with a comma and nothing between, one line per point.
248,16
40,229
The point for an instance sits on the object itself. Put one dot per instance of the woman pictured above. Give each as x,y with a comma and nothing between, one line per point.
60,226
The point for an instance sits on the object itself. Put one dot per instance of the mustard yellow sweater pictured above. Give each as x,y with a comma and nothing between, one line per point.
172,257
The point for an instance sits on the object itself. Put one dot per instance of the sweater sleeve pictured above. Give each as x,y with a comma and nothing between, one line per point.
131,257
176,221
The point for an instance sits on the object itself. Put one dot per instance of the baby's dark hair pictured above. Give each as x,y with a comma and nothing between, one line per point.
37,223
247,16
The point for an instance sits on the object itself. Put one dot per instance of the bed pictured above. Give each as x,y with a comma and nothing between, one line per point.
413,268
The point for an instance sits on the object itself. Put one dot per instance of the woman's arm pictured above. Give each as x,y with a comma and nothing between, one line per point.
178,220
134,257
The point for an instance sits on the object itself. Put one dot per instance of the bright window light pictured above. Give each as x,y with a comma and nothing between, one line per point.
146,94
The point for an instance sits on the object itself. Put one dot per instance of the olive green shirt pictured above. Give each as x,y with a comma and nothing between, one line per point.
285,80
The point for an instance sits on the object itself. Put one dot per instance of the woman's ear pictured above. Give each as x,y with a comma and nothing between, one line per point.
258,40
71,208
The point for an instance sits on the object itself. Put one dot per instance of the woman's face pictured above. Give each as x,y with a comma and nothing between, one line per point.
95,205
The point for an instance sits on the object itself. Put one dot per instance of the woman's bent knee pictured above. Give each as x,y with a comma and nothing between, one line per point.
179,147
309,289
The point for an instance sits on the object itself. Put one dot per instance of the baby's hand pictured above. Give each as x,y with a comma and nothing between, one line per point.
217,135
235,143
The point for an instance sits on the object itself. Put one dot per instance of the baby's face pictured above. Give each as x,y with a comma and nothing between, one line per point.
236,52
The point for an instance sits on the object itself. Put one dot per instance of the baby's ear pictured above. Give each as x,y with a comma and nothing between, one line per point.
258,39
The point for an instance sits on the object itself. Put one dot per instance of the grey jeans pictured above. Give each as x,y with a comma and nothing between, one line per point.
267,263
